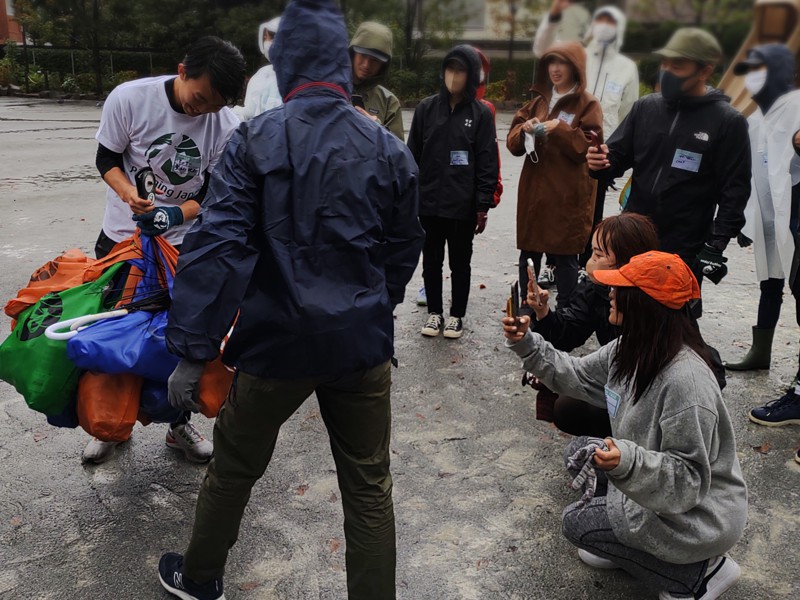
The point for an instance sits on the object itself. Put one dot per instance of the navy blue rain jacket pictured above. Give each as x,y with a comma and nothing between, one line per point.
310,226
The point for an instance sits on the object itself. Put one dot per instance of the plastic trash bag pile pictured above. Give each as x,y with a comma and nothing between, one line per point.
88,341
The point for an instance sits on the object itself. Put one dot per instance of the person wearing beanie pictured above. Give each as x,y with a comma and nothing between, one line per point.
454,142
371,53
306,253
262,89
771,212
672,501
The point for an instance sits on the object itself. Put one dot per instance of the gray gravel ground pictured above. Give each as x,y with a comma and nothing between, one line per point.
479,487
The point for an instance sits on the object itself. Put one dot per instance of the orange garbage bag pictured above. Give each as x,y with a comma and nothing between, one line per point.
108,405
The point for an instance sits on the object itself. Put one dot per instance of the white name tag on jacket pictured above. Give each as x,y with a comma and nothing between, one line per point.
614,88
687,161
459,158
566,117
612,402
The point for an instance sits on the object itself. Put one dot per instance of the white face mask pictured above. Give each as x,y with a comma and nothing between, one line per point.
265,47
755,81
604,33
530,147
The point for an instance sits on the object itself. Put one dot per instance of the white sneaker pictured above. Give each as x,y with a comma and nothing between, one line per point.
596,562
722,573
547,277
433,325
185,437
454,328
98,451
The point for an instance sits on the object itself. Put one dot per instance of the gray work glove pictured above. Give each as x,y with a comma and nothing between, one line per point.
184,385
582,461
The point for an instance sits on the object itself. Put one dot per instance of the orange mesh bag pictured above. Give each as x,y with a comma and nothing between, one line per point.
108,405
61,273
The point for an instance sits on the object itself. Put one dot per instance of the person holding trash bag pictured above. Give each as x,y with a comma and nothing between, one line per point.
669,501
312,247
178,128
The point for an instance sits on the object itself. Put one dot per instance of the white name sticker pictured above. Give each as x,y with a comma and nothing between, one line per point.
612,402
459,158
614,88
566,117
687,161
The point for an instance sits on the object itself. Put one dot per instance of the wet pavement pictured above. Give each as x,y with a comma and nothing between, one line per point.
479,486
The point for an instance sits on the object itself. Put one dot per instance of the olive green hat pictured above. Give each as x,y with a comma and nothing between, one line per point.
693,43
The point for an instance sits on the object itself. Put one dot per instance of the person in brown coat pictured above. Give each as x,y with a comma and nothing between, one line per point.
555,202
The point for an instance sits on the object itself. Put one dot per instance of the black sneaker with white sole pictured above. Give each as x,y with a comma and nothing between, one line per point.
170,573
433,325
454,328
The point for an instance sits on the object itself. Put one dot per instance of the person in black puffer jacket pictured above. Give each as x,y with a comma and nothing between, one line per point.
615,241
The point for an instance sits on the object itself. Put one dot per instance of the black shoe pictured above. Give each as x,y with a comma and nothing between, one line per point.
170,573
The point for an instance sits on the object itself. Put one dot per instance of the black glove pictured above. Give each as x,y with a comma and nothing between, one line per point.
480,222
184,385
743,240
713,263
159,220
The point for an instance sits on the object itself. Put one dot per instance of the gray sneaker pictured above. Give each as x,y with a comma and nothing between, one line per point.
186,438
98,451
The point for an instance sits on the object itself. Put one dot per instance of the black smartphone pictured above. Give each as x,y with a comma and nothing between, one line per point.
358,101
512,306
597,141
146,184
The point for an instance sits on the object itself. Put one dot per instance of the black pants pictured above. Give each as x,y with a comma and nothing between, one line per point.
566,273
457,235
599,204
102,248
576,417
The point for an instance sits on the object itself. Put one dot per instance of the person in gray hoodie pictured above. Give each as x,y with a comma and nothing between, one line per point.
675,501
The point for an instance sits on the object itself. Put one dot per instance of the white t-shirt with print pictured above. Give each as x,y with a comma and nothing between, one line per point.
139,123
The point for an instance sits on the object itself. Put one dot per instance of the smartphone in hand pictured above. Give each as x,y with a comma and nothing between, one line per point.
596,140
532,285
512,304
358,101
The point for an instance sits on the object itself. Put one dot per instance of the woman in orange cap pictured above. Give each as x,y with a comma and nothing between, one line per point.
671,500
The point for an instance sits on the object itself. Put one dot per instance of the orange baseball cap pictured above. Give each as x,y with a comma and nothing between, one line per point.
662,276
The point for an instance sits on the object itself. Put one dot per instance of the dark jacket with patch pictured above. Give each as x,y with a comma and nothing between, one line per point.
690,160
456,150
310,228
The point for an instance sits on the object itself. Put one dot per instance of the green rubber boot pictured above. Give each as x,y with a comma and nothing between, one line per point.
760,353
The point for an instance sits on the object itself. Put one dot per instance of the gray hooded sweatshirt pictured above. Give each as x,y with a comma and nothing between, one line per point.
678,491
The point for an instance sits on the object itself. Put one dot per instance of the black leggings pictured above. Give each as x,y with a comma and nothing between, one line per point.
457,236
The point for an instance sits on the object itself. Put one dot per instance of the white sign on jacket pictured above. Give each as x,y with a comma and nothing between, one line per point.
776,168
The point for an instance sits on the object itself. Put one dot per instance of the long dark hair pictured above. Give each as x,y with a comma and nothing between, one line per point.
626,235
652,335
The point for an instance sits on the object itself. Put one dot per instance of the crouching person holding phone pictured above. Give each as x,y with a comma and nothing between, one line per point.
670,500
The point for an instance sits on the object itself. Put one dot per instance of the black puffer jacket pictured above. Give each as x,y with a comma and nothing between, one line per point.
690,160
587,313
456,150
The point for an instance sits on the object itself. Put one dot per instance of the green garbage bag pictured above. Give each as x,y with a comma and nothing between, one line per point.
37,366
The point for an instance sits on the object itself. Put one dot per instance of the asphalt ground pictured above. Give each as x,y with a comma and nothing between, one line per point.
479,485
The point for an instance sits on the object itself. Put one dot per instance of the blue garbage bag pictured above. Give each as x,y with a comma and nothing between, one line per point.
154,403
133,344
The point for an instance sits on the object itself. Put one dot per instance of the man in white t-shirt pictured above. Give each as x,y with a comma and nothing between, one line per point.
178,127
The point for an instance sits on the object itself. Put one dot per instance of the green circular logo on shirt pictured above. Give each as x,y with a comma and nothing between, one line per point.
176,156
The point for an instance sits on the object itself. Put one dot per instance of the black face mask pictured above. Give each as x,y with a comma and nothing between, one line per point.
672,85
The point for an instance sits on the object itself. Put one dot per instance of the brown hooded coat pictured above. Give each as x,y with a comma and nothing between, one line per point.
555,202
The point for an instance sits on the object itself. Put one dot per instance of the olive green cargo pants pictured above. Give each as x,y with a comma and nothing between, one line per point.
357,413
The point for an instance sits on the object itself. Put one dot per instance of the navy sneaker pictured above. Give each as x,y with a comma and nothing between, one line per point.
783,411
170,573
